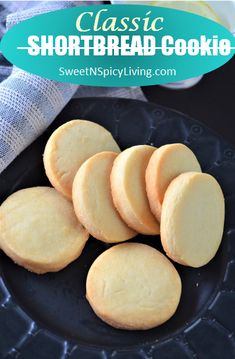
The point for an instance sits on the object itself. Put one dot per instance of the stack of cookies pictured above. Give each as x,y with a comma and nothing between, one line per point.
113,196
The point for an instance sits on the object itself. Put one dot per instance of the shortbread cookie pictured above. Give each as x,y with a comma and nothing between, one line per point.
93,201
133,286
166,163
192,219
39,230
69,146
128,189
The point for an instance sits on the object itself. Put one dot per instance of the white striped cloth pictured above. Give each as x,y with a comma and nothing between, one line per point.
29,103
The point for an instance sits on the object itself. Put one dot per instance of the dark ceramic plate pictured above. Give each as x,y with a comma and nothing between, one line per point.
48,317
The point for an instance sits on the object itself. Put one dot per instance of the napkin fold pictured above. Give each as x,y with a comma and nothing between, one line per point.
29,103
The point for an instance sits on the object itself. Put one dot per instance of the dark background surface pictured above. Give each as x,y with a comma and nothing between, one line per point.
211,101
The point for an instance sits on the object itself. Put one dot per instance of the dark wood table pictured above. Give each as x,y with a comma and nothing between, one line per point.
211,101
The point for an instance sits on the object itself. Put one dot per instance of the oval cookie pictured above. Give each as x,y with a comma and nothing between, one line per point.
39,230
166,163
128,189
93,201
192,219
69,146
133,286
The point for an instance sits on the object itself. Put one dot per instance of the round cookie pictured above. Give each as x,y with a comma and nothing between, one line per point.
192,219
133,286
39,230
128,189
69,146
93,201
166,163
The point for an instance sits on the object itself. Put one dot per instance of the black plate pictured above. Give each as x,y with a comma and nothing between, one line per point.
48,317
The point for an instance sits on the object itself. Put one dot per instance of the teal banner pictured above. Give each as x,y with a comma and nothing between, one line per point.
118,45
